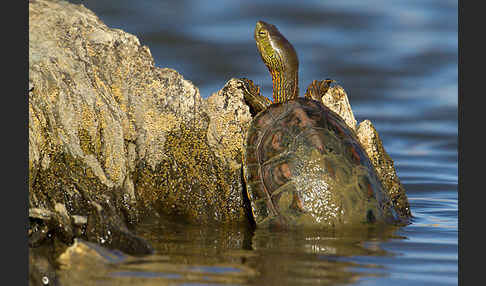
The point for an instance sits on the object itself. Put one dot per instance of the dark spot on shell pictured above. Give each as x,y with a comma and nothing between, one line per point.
274,142
303,119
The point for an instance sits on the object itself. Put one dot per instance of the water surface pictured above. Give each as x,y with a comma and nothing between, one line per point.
398,63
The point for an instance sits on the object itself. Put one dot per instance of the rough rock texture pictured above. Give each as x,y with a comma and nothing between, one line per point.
199,177
337,100
82,125
112,137
383,164
229,119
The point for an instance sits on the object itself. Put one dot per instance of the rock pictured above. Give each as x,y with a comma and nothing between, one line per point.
385,169
88,251
96,103
337,100
40,213
112,137
199,177
79,220
229,117
84,262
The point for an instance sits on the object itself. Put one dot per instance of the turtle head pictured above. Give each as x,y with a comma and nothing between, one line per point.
281,60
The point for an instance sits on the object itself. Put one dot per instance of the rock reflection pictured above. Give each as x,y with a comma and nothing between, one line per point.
236,255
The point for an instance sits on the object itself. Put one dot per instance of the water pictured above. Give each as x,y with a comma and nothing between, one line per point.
398,63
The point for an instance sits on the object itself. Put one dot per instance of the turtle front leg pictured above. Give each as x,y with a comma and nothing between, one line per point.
253,98
317,89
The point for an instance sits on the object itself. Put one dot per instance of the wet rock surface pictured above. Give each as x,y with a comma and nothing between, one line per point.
112,138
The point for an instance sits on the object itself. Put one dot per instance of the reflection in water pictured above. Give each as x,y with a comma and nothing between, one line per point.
316,257
234,255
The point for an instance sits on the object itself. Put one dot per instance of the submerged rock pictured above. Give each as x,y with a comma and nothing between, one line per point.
83,263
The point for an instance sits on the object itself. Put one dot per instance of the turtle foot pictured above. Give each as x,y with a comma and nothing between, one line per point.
253,98
317,89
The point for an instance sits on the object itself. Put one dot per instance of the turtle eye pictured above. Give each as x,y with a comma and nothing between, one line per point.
262,32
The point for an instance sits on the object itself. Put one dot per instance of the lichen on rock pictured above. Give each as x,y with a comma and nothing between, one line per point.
112,137
78,129
229,120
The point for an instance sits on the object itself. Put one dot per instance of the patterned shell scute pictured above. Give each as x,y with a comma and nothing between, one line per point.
304,166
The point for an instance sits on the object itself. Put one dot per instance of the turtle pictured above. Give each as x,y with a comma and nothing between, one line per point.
303,166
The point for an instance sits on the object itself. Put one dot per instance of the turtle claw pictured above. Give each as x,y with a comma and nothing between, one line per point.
252,96
249,87
317,89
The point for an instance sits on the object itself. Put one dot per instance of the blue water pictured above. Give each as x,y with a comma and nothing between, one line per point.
398,62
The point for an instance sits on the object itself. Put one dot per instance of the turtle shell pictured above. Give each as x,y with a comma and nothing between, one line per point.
304,166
